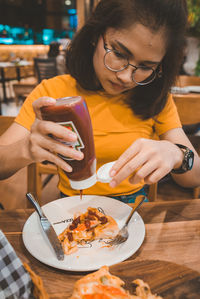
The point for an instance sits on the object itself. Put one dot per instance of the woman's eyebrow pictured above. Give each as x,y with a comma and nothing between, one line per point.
124,48
151,62
130,54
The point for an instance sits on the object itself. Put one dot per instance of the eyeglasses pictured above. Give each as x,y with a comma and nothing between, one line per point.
116,61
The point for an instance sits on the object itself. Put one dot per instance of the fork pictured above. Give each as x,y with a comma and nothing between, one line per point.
123,234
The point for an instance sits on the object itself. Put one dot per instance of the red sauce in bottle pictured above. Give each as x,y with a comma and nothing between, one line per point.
72,112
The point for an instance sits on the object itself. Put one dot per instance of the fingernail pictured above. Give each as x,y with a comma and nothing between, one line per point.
79,155
50,101
68,168
113,184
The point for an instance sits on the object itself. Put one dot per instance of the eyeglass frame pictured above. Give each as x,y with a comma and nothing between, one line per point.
155,72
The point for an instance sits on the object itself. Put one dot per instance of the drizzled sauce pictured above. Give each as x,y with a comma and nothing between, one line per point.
81,194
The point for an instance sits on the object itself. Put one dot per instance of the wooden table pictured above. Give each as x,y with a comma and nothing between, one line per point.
171,247
17,67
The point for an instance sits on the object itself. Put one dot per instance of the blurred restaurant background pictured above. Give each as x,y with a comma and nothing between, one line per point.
28,29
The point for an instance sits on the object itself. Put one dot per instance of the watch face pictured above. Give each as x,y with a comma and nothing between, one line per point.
190,162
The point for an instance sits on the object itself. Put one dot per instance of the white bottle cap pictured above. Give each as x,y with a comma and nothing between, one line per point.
103,172
101,176
84,184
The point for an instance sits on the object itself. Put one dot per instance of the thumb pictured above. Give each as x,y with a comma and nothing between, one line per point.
41,102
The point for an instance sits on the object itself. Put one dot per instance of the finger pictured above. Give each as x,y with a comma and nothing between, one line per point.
56,160
128,169
159,170
62,149
141,174
41,102
56,130
50,144
129,154
155,176
158,165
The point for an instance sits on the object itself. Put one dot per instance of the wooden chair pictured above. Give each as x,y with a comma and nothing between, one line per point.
152,192
192,120
45,68
22,90
35,171
188,106
184,80
35,182
5,123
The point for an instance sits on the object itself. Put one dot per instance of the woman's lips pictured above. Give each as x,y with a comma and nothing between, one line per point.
117,86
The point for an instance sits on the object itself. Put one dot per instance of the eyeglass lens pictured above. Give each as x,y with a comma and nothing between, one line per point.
116,62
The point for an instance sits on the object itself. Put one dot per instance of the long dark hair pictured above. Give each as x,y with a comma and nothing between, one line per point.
171,15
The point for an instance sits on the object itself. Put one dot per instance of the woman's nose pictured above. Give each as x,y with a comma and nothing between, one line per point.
126,75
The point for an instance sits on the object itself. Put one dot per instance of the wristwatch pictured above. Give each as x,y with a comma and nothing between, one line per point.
188,160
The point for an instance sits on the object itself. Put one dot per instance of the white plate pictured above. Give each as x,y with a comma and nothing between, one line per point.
96,255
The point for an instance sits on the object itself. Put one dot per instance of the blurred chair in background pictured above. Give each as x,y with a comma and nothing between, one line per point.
45,68
152,192
184,80
190,116
188,106
5,123
35,181
21,91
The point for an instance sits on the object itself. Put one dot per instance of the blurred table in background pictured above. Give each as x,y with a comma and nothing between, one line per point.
16,69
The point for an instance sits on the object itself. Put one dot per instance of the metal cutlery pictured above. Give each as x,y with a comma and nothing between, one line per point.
123,234
48,229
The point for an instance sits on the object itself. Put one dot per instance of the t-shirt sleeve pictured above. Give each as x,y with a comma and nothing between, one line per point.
26,115
57,87
168,118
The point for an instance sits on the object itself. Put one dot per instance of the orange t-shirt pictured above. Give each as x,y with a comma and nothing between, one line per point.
115,127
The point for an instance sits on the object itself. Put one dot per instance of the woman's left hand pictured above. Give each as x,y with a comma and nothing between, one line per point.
146,159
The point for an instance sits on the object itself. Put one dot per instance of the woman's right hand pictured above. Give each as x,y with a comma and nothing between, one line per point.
43,147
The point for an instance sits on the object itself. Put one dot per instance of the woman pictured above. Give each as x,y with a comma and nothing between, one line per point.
123,62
